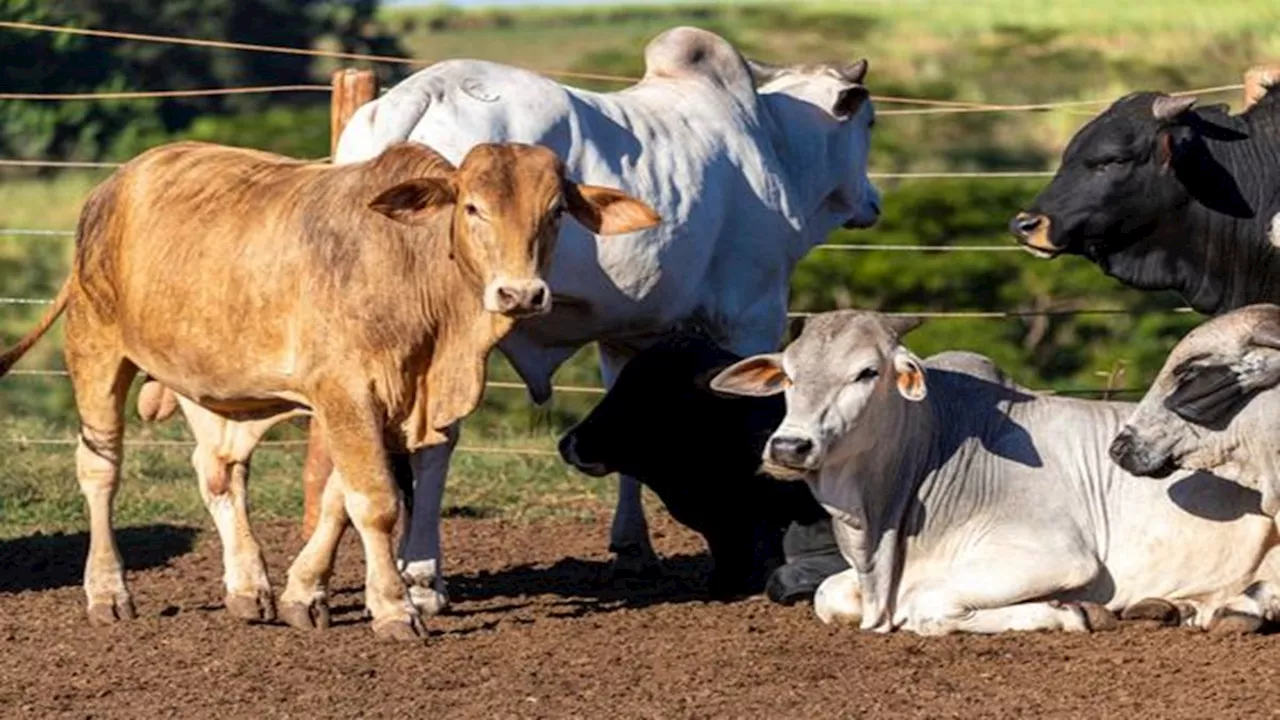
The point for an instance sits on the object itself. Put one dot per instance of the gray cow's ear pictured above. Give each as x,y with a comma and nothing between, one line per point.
756,376
910,375
1166,108
1208,395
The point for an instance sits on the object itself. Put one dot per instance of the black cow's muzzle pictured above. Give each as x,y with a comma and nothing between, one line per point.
568,448
1032,232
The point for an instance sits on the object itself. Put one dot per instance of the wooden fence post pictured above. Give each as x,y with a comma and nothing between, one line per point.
351,89
1257,80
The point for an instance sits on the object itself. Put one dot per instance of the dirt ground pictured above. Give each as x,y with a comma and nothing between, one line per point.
539,630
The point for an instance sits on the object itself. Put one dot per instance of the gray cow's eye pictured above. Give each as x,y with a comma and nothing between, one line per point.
867,374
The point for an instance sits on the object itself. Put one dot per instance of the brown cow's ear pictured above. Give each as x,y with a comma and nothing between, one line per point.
757,376
414,202
606,211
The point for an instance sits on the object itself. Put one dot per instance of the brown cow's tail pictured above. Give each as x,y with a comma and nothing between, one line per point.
15,353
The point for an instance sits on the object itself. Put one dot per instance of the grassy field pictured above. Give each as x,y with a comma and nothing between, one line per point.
1005,51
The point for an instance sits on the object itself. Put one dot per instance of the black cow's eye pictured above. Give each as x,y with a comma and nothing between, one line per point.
867,374
471,210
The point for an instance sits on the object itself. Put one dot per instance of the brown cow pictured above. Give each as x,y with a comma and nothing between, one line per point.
260,288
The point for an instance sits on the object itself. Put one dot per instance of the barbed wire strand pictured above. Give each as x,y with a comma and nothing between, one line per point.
941,106
141,94
941,175
299,444
948,314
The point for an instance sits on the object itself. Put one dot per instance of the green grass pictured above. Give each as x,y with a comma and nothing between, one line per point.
38,489
1010,51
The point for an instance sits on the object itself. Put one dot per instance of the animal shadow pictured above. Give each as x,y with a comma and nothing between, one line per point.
588,587
48,562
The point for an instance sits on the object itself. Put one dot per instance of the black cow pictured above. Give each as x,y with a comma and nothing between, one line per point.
1166,197
700,451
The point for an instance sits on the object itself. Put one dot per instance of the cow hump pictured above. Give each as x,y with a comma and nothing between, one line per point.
693,52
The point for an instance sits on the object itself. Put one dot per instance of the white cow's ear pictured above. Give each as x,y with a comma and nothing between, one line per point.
756,376
414,202
606,211
910,375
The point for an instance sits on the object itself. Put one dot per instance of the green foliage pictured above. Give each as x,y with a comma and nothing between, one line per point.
92,129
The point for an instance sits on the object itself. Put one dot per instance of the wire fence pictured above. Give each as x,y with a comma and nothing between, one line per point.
937,106
928,106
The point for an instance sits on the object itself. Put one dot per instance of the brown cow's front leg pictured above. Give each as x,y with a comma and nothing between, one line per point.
315,471
364,479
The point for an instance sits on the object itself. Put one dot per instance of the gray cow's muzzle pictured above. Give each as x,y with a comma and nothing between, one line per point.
1138,458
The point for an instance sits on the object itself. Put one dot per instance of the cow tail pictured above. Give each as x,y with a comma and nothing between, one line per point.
15,353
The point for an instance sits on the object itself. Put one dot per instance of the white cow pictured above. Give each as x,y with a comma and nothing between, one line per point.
746,180
966,503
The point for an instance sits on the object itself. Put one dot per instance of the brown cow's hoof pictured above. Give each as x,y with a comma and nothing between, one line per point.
1230,622
400,629
313,616
109,613
1157,610
254,608
1097,617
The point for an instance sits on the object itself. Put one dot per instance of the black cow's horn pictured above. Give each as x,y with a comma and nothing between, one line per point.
1166,107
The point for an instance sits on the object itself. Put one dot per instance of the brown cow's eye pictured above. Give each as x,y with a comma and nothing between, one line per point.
472,210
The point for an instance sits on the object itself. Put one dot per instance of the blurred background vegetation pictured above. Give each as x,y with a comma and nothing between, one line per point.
998,51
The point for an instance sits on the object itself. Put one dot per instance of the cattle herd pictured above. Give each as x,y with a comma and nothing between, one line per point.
932,494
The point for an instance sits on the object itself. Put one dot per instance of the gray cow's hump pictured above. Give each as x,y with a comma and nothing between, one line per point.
971,363
689,51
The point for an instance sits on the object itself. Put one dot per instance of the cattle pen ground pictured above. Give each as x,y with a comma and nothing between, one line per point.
539,630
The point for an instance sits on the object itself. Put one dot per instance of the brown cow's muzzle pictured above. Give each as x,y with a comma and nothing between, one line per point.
1032,232
518,298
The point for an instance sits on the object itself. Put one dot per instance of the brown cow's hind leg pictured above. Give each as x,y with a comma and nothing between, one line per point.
221,459
101,380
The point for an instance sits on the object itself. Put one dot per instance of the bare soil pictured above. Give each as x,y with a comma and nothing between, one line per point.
538,629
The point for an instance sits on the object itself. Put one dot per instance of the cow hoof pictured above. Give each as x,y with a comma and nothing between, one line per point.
304,616
404,629
428,602
634,561
428,593
1097,617
260,607
1155,610
114,610
1231,622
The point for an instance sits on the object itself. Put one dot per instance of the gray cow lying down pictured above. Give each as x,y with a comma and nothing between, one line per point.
966,503
1214,405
